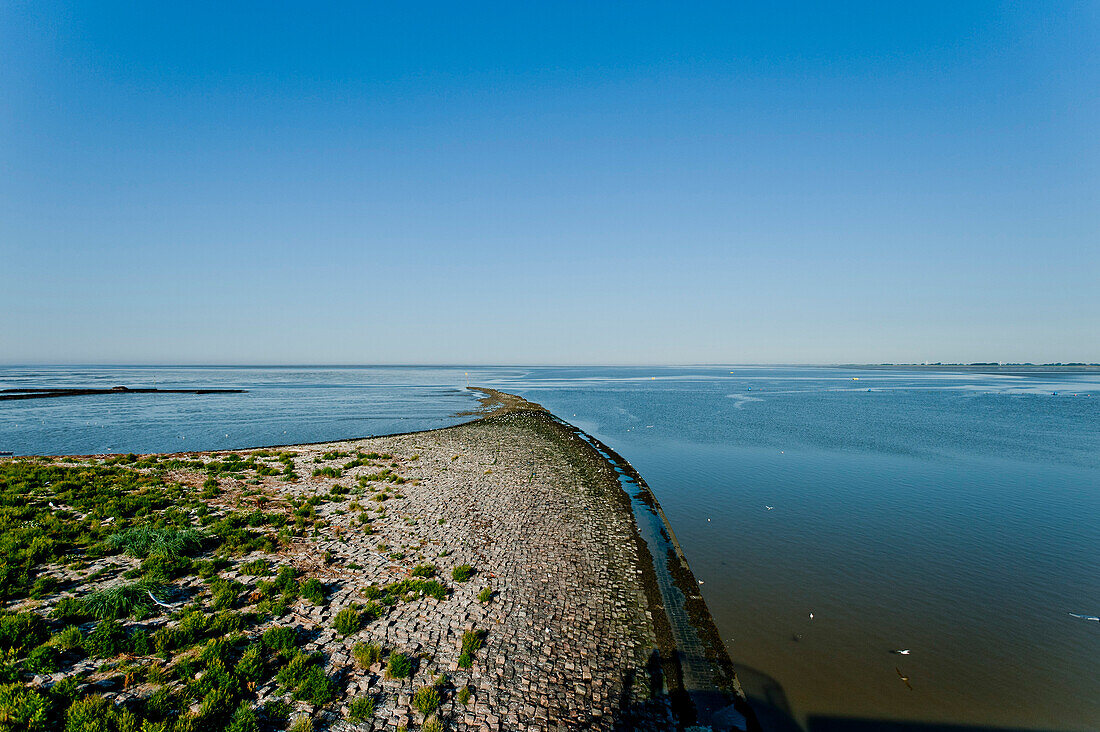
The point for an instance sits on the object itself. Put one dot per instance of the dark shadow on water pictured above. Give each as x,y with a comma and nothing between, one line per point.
767,699
769,702
850,724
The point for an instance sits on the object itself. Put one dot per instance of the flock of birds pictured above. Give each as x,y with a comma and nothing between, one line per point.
898,652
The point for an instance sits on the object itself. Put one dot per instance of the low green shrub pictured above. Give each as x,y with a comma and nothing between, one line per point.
210,488
302,724
286,582
306,680
250,667
162,703
107,639
162,568
398,666
313,590
68,639
366,654
45,659
69,610
348,621
426,699
244,720
43,586
90,714
405,591
256,568
22,631
276,711
140,643
462,573
281,638
361,709
23,709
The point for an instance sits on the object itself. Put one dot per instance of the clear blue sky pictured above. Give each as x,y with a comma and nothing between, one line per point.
199,182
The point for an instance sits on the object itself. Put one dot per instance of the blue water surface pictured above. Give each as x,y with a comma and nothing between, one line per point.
956,514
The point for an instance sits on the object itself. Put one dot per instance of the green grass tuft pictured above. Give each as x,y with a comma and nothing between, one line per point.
143,541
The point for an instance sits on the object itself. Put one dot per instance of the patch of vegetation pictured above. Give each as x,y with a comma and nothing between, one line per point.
244,720
313,590
96,714
208,667
463,695
462,573
485,595
282,639
22,631
69,610
426,699
32,534
68,639
225,593
306,680
210,488
145,541
107,640
277,711
361,709
472,640
121,601
348,621
256,568
161,568
302,724
405,591
366,654
45,659
424,570
398,666
383,476
23,709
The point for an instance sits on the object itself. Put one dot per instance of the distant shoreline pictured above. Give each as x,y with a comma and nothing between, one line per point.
52,392
1067,368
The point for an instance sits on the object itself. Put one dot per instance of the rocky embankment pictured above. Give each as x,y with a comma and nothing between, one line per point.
487,576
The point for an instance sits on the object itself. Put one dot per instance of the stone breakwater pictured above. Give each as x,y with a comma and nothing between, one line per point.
521,521
569,634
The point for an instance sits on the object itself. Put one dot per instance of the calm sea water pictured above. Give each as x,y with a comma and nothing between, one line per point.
954,515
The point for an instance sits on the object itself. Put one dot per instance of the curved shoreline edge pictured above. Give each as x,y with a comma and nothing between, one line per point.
698,672
650,594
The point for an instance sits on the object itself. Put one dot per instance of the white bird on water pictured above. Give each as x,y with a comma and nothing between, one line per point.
902,652
811,616
768,507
